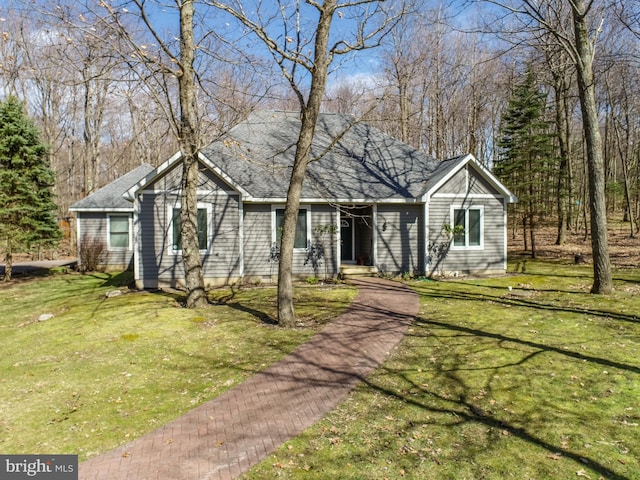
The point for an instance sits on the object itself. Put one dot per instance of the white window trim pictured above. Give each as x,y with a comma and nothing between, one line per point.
466,246
129,231
170,209
273,225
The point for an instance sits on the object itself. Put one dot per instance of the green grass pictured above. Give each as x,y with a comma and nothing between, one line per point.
103,371
538,381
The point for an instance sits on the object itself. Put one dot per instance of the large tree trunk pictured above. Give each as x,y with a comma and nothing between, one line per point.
310,112
188,139
562,127
602,281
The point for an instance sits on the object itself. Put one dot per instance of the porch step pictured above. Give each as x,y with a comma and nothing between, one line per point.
357,271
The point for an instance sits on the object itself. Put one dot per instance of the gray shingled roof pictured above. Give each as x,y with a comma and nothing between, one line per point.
364,163
111,196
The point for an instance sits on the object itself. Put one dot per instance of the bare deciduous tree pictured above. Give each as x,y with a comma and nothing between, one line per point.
304,51
579,42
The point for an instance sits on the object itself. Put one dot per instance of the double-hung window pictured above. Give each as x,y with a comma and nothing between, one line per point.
467,227
203,229
119,238
301,227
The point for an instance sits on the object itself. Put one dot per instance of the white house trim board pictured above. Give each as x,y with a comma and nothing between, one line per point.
342,201
78,240
202,193
153,176
504,220
137,252
241,235
338,234
447,177
214,168
101,210
426,241
460,197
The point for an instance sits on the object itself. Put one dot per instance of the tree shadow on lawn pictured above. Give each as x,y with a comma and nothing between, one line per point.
513,299
521,268
463,410
452,397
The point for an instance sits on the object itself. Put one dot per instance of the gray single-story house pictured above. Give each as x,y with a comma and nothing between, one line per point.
370,204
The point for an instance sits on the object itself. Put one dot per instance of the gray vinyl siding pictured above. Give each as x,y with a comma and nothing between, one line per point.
477,193
400,238
488,258
159,263
94,225
258,242
479,186
456,184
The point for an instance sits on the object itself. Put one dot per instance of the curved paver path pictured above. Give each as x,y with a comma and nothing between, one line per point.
228,435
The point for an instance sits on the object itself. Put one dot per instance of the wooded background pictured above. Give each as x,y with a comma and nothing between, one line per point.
441,80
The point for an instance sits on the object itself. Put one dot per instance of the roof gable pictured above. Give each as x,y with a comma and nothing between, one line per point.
448,169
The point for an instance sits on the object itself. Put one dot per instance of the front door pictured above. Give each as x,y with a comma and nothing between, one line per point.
346,239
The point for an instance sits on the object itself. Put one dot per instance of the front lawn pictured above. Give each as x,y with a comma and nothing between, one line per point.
103,371
527,376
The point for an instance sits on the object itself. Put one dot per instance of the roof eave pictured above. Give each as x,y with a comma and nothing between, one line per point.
101,209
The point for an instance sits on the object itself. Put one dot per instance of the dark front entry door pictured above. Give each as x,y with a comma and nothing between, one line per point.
346,239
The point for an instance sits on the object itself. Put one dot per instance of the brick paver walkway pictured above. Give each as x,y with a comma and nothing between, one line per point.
228,435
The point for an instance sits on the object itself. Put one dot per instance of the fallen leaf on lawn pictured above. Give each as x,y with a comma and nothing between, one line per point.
582,473
554,456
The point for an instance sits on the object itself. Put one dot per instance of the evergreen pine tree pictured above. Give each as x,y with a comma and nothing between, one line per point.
27,209
527,154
